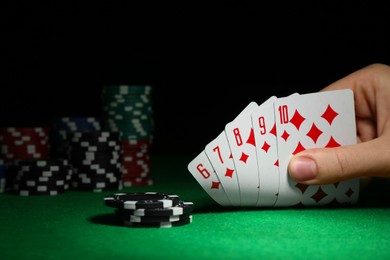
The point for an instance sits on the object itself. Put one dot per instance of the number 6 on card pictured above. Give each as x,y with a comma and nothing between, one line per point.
202,170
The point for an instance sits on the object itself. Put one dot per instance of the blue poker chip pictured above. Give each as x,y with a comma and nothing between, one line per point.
72,124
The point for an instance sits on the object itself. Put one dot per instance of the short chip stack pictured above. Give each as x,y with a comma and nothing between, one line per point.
95,160
22,143
128,110
41,177
150,209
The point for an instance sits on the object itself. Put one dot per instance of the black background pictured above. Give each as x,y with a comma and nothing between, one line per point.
205,60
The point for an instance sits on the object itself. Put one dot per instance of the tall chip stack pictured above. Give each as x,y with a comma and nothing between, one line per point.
128,110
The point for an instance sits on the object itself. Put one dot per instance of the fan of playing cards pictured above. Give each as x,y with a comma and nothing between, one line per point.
246,164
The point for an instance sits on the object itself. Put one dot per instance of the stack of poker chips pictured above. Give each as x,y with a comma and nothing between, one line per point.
150,209
95,160
128,109
41,177
22,143
64,125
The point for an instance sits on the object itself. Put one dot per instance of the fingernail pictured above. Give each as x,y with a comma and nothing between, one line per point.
303,169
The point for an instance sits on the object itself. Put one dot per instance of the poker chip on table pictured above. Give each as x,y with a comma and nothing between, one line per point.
150,219
182,208
150,209
21,143
40,177
162,224
96,161
141,200
24,143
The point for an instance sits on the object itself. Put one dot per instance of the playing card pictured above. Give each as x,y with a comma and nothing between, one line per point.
263,122
202,170
314,120
264,127
242,145
220,156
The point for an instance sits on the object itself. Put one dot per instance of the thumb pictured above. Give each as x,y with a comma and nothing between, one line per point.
330,165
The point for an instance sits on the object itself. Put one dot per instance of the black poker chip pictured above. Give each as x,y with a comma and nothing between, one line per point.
163,224
141,200
150,209
94,136
37,192
149,219
182,208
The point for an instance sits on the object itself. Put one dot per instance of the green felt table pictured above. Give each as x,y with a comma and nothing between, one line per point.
77,225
